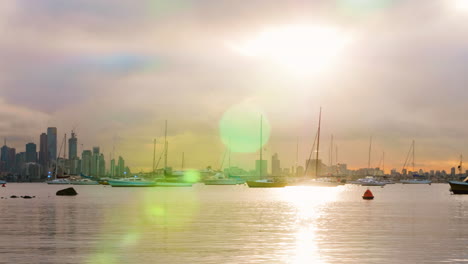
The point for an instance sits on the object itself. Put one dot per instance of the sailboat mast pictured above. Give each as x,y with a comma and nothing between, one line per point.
383,162
182,160
370,149
461,164
165,146
318,144
413,155
229,158
261,145
154,153
297,154
331,151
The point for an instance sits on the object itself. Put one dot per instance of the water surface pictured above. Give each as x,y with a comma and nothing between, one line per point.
233,224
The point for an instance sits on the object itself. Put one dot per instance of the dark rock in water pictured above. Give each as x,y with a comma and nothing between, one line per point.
13,196
67,192
26,197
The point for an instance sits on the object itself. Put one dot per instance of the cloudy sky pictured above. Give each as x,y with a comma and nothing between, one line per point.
114,70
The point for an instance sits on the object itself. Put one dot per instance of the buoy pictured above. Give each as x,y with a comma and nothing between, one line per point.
368,195
3,185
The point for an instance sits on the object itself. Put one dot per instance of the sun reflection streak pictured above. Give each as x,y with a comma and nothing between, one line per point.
309,203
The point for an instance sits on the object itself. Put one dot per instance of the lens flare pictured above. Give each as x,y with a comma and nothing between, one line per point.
363,7
240,128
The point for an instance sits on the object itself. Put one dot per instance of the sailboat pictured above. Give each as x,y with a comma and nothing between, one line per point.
322,181
416,177
170,179
264,183
220,178
459,187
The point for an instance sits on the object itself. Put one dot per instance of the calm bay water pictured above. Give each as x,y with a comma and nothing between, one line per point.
233,224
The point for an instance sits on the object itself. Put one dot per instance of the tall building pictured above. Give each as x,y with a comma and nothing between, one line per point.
95,162
7,158
52,143
31,152
275,165
264,169
43,151
86,161
112,168
120,167
102,166
72,146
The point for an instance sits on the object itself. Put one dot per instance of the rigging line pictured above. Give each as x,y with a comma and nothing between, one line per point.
310,155
407,157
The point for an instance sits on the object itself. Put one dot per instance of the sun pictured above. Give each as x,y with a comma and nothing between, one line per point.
460,5
300,48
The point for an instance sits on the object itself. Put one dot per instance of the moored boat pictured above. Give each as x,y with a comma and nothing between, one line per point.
173,184
132,182
416,181
458,187
59,181
84,182
266,184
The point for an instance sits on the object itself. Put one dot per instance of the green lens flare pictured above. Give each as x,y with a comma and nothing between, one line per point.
192,176
161,8
240,128
362,7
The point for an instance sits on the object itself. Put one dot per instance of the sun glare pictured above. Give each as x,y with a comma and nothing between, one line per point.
461,5
301,48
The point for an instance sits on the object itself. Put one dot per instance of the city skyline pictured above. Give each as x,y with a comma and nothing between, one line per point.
113,71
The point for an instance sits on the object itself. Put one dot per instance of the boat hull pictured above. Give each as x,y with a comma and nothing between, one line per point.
457,187
221,182
255,184
416,181
131,184
173,184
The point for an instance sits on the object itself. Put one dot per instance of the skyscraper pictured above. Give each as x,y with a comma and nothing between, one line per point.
31,152
121,167
52,143
86,161
72,147
95,162
43,152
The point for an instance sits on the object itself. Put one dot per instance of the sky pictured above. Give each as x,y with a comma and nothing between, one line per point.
115,70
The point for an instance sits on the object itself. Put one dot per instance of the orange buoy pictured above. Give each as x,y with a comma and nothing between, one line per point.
368,195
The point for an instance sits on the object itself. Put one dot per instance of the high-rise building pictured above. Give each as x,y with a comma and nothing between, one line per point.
43,151
7,158
72,146
121,167
102,165
31,152
86,161
275,165
95,162
112,168
52,143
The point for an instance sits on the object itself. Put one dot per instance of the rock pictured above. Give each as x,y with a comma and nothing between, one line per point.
13,196
26,197
67,192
